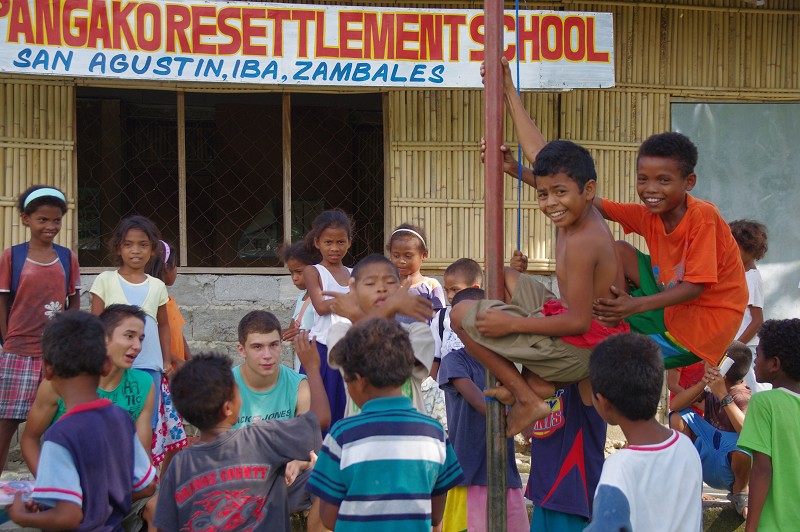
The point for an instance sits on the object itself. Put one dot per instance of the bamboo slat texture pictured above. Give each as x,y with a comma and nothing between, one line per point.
36,147
684,50
690,50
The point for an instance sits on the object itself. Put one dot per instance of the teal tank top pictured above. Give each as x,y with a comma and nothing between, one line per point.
130,394
278,403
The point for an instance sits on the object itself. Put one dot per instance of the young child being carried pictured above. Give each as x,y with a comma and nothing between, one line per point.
463,273
408,249
550,337
715,433
689,295
462,378
91,459
751,237
655,483
272,391
231,479
770,429
38,279
390,467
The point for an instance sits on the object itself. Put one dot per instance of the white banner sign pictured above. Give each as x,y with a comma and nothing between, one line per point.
290,44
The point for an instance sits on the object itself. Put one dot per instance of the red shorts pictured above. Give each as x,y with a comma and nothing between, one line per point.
19,379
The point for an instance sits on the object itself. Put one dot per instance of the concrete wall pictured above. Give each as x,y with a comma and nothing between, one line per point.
212,306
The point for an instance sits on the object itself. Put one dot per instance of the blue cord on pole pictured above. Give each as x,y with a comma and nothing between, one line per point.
519,145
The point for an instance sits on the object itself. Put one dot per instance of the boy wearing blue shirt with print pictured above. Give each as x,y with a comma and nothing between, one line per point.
388,468
462,379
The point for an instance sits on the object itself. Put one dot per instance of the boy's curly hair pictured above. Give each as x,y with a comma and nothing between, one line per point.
378,349
671,145
74,343
751,237
780,338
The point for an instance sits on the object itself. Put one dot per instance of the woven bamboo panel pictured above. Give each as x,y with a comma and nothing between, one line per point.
36,148
691,49
436,175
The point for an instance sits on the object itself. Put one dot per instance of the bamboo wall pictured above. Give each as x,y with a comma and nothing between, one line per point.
687,50
681,51
36,148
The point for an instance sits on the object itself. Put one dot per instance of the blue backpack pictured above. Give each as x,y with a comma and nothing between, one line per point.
19,254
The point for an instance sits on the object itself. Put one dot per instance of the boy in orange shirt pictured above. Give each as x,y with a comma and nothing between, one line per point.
691,291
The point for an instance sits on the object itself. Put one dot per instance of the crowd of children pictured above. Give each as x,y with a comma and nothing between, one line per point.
356,433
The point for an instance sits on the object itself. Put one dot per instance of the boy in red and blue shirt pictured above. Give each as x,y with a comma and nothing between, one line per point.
92,463
567,453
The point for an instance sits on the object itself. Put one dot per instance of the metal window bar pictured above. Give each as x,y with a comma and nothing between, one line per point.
225,183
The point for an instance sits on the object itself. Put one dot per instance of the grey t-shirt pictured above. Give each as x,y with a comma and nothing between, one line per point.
236,481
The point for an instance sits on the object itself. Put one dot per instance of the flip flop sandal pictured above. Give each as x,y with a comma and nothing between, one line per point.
739,501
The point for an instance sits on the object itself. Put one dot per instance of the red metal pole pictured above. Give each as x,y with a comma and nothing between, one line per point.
493,115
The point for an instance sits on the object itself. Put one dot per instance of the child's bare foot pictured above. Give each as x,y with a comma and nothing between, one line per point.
502,394
521,415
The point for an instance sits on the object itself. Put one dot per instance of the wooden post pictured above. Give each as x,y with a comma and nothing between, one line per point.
183,227
286,128
493,114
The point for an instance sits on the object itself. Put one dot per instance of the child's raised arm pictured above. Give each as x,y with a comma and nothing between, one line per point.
530,137
685,398
317,400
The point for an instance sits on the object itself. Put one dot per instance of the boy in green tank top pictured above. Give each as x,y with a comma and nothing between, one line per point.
271,391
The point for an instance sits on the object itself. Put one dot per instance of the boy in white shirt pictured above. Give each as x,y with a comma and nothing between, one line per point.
655,483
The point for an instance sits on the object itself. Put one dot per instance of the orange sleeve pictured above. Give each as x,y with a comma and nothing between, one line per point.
702,263
175,328
629,215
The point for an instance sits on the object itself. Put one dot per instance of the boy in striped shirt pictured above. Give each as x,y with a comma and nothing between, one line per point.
388,466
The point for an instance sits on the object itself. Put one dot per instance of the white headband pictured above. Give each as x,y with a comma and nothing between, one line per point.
403,229
166,251
42,192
